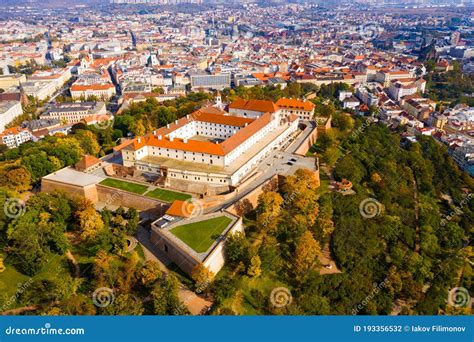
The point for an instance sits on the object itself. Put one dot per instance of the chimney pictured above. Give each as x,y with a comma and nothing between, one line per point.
167,125
139,140
159,137
171,138
246,124
187,116
154,133
176,122
185,140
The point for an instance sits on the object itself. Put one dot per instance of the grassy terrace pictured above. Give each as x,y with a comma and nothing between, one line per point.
201,235
127,186
11,280
167,195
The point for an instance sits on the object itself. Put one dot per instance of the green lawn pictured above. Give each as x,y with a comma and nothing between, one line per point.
324,187
167,195
201,235
127,186
11,280
247,300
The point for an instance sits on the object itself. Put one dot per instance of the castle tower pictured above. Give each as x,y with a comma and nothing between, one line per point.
218,99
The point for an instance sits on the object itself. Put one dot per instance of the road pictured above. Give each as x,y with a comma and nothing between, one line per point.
65,87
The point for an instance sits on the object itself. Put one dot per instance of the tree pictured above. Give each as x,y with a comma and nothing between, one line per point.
268,210
127,277
164,297
149,273
32,236
78,304
124,304
324,222
350,168
138,128
237,249
270,254
202,276
306,256
342,121
102,270
88,142
300,195
254,269
430,65
18,178
159,300
38,165
90,223
165,115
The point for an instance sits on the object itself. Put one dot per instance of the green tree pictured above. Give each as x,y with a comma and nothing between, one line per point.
306,256
254,269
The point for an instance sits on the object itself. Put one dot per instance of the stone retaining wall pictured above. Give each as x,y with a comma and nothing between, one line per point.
89,192
127,199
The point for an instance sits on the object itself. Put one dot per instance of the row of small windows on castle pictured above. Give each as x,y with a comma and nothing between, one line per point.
198,178
202,155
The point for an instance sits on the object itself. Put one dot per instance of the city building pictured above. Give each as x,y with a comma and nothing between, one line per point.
464,157
210,81
9,110
11,80
253,108
85,91
15,136
304,109
73,112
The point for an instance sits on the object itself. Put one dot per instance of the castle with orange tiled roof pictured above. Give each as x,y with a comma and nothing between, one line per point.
211,145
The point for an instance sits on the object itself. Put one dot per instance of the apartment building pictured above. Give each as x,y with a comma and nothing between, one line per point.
101,91
210,81
14,137
73,112
303,109
9,110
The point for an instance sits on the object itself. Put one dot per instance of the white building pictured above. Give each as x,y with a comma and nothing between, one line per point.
9,110
44,84
101,91
208,146
253,108
350,102
303,109
14,137
73,112
209,81
404,87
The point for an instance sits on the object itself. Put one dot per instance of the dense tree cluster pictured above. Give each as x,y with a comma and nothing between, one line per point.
26,164
452,87
54,230
401,257
143,117
280,245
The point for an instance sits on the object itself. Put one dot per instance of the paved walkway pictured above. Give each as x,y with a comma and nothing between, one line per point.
328,265
151,253
195,304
